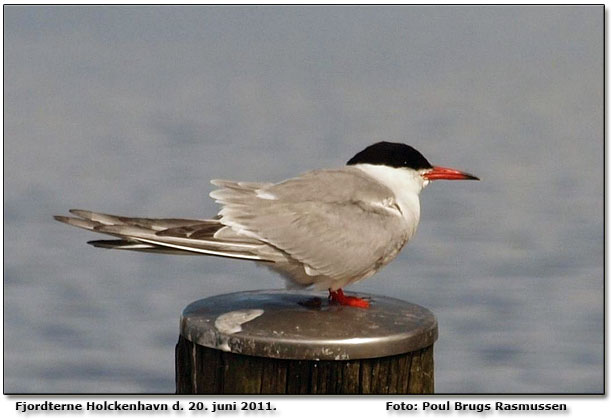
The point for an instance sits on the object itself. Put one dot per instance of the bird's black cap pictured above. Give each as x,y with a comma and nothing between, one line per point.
396,155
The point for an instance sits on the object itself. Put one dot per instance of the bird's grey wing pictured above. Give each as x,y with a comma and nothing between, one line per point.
339,223
174,236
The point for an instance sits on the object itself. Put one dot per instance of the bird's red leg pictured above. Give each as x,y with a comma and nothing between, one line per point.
339,297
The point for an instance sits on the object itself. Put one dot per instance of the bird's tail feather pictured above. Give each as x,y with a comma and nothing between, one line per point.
137,246
171,236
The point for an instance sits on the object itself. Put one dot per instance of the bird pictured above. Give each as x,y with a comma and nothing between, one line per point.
326,228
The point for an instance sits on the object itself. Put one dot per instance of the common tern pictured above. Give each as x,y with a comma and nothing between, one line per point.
326,228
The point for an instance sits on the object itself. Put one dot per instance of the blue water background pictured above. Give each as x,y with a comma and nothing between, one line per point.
132,110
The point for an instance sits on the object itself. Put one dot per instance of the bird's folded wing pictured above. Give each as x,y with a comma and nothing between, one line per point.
344,232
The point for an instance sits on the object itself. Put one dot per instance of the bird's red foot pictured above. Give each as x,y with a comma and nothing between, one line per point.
339,297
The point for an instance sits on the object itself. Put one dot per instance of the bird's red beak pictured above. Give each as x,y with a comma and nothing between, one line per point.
438,172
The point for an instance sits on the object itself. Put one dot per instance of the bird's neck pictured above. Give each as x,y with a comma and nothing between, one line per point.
405,184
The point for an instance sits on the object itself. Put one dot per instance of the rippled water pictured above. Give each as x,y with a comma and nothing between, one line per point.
132,111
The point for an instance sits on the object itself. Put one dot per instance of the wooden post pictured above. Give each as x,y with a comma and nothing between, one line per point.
287,342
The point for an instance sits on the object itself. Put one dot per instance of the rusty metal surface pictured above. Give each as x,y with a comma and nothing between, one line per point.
303,325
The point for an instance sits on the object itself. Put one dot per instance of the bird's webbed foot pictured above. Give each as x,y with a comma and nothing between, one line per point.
339,297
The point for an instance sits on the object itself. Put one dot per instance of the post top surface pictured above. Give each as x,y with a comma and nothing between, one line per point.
300,325
288,324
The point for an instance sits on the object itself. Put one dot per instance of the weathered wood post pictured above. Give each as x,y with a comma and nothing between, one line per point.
288,342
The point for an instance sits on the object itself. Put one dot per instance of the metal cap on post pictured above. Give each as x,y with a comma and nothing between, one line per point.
287,328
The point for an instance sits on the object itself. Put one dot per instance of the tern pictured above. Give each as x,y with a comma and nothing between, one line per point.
326,228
